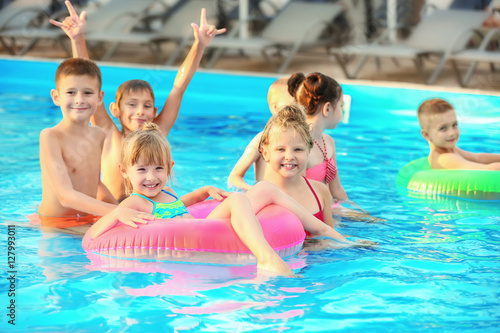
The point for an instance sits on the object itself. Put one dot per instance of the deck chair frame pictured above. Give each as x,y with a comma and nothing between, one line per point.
309,38
170,31
475,56
414,49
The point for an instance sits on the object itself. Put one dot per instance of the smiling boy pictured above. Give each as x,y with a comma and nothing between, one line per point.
70,152
439,126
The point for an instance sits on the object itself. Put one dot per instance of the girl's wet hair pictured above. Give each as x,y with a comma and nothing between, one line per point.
130,86
290,116
150,146
314,90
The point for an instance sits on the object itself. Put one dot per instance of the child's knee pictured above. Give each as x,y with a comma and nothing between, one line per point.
266,187
238,198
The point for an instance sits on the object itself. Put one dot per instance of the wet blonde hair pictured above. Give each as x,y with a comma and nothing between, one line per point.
432,107
150,146
278,94
290,116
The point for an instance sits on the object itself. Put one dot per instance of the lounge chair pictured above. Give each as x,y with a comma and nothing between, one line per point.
473,56
176,27
115,15
442,33
298,26
22,16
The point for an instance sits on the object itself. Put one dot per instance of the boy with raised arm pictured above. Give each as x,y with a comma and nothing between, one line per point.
134,103
70,153
439,127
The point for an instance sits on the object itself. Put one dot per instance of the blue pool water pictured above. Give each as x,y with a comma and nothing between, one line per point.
436,267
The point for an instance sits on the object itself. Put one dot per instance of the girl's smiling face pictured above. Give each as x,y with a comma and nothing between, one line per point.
286,153
146,179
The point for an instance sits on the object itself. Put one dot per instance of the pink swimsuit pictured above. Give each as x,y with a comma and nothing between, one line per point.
318,215
324,172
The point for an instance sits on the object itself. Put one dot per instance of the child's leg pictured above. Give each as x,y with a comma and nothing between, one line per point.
247,227
264,193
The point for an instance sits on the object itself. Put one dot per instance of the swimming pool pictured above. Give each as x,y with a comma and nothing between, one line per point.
436,267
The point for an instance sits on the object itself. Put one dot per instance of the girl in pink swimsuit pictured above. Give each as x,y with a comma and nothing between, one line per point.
322,99
285,145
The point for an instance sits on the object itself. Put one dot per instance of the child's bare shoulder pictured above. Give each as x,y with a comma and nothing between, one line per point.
447,160
254,143
97,132
51,134
135,202
320,188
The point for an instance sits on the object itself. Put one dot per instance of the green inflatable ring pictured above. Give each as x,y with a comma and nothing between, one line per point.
417,176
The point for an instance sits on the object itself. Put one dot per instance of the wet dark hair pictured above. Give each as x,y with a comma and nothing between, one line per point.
314,90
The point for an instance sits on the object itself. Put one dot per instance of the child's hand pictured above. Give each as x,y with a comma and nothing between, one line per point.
204,33
217,193
364,243
131,216
73,25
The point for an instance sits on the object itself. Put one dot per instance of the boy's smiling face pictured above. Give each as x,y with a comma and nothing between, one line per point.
136,108
78,96
442,130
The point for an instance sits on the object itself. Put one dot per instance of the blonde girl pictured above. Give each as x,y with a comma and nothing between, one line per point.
285,144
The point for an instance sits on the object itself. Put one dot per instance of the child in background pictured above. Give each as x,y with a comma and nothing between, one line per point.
322,99
70,153
277,97
439,127
146,167
135,102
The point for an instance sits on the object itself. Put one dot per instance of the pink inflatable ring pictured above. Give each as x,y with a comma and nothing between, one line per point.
197,240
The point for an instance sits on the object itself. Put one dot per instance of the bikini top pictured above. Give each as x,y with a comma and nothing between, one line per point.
169,210
324,172
318,215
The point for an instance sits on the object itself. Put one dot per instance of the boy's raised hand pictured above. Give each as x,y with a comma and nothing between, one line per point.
205,32
73,25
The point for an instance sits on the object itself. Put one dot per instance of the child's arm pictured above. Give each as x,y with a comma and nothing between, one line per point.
336,189
103,194
52,161
202,35
74,27
249,157
484,158
458,161
128,212
202,193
